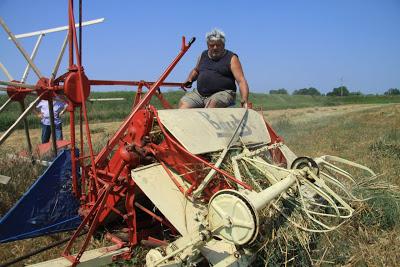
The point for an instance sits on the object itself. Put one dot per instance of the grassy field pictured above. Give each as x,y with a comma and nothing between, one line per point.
117,110
370,136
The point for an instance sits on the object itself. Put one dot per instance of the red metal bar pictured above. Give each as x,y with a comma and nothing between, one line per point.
82,163
160,97
97,209
93,225
106,173
145,100
173,178
163,101
115,240
99,202
20,90
70,42
182,149
131,212
132,83
154,242
160,242
80,30
73,155
116,211
88,137
153,215
138,95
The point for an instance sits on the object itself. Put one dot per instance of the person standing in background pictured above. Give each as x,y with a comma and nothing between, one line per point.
42,111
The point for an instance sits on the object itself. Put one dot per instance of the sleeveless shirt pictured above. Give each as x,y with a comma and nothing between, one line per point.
215,75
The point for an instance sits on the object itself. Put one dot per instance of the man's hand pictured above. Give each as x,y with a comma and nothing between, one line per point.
244,104
188,84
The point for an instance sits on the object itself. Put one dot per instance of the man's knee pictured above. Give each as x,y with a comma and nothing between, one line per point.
213,103
222,99
183,104
190,101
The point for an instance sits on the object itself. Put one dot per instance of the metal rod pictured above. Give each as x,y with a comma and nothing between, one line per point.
40,250
3,68
58,29
5,104
260,200
26,127
80,79
59,58
106,99
33,55
132,83
52,127
82,152
211,174
24,85
194,157
144,101
93,225
14,90
20,48
70,32
21,117
73,154
80,31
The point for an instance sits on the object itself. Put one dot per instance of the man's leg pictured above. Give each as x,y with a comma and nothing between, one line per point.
45,133
59,134
221,99
192,100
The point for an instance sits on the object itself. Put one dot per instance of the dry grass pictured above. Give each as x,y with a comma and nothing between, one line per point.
369,135
23,173
372,138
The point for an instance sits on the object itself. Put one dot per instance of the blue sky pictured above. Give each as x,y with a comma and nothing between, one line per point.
281,44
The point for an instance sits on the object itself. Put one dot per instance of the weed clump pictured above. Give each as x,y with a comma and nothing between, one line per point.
385,149
383,210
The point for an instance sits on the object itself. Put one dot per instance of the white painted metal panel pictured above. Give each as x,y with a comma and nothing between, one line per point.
216,251
289,154
207,130
155,182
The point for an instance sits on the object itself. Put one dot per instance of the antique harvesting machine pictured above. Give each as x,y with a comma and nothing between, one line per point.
194,185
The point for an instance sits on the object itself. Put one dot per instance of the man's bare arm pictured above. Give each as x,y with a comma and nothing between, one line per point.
193,75
237,71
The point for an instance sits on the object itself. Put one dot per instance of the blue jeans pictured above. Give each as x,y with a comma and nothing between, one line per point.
46,132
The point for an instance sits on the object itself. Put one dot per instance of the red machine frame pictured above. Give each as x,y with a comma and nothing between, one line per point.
106,180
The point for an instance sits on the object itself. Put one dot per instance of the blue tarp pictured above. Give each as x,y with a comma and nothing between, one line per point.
47,207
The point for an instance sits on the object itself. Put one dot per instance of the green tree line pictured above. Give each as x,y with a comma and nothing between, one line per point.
338,91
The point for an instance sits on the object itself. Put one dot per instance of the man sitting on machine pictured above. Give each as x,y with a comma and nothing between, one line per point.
216,72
